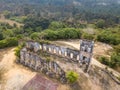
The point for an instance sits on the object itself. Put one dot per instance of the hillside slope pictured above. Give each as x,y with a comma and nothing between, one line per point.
17,76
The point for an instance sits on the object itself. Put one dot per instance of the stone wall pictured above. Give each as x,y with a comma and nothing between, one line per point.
83,57
50,68
53,49
30,57
86,49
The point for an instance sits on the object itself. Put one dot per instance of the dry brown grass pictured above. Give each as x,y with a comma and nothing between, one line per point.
4,20
2,72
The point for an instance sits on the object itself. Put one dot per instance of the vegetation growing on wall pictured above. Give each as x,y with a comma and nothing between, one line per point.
17,50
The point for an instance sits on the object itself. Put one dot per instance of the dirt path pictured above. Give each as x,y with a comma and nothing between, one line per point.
15,76
18,77
2,19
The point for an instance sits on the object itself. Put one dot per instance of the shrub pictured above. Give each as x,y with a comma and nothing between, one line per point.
117,48
65,33
104,60
8,42
109,37
50,34
48,59
12,42
71,33
72,76
35,36
56,25
118,78
44,42
115,60
100,24
1,36
88,36
17,50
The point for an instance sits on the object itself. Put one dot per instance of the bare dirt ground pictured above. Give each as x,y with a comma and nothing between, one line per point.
15,76
18,77
100,49
3,19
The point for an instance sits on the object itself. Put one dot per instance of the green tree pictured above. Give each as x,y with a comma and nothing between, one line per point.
71,33
8,33
109,37
72,76
115,60
1,36
117,48
51,35
38,29
17,50
100,23
88,36
104,60
8,42
14,25
56,25
7,14
35,36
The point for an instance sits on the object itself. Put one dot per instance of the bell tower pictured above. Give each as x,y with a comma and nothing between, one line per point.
86,51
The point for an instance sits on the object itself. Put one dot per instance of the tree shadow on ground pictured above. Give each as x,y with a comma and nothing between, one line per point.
75,86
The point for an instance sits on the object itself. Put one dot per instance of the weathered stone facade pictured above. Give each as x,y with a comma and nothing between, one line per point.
50,68
29,57
86,49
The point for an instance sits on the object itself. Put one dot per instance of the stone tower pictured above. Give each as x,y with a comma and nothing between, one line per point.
86,50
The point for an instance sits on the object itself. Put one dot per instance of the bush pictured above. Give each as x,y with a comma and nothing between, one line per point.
17,50
1,36
12,42
8,42
56,25
100,23
35,36
44,42
117,48
48,59
88,36
109,37
118,78
104,60
66,33
71,33
72,76
115,60
50,34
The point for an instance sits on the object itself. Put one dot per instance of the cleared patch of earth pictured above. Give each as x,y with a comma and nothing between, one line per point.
4,20
17,76
100,49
